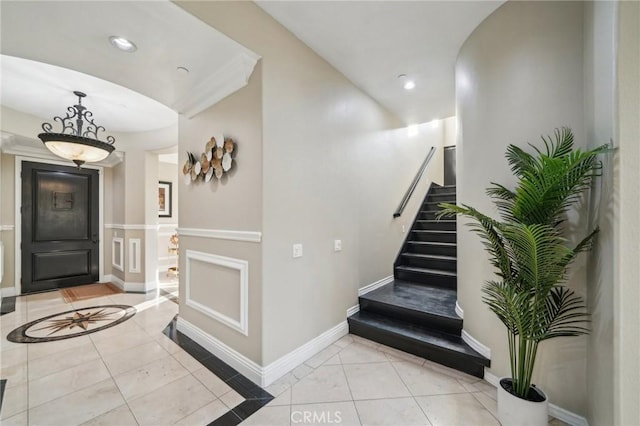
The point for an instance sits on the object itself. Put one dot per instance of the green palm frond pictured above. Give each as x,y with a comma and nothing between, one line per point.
528,251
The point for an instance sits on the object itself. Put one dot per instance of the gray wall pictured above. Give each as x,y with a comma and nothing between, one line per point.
599,88
627,226
519,75
334,166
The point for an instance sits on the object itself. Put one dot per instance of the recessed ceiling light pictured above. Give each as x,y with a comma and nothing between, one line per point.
182,70
123,44
406,82
409,85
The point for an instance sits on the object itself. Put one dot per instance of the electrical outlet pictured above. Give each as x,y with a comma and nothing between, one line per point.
297,250
337,245
403,230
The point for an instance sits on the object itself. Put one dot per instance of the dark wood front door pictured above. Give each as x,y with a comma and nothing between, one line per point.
60,226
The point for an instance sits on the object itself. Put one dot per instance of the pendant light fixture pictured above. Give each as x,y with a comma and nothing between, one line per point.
78,140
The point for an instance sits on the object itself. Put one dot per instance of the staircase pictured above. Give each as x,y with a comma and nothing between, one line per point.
416,311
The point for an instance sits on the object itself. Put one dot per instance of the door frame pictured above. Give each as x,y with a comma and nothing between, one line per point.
18,215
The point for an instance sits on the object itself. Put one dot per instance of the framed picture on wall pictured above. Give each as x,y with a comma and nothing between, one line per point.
164,199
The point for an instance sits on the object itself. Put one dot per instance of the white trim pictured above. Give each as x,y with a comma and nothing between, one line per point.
168,258
353,310
6,228
231,77
134,255
113,279
130,286
7,292
459,310
262,376
244,365
241,324
559,413
120,265
370,287
288,362
135,227
167,227
18,217
222,234
475,344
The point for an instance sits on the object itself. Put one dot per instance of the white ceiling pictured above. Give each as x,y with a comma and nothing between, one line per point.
74,35
372,42
46,91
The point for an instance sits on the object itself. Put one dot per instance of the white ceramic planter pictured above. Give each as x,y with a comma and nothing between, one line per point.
514,411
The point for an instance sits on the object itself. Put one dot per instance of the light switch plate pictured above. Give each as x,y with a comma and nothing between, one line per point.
297,250
337,245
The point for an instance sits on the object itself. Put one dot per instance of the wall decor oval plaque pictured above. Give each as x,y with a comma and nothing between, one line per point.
74,323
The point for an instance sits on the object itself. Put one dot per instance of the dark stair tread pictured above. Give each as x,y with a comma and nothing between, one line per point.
430,256
426,271
431,243
419,334
435,220
423,298
434,231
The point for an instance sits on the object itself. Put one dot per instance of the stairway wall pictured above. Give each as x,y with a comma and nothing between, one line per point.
519,75
335,166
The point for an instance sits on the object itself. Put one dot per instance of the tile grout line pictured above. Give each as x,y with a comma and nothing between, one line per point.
348,386
114,382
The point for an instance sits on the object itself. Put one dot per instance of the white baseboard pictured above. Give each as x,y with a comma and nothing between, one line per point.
559,413
244,365
288,362
7,292
370,287
353,310
483,350
132,287
262,376
459,310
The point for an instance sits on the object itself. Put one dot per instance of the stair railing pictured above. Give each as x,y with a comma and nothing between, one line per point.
414,183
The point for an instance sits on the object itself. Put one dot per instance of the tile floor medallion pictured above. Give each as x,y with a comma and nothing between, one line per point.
69,324
143,371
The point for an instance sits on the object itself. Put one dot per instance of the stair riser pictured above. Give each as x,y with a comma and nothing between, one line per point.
439,323
429,205
426,278
439,264
441,237
427,215
442,198
442,190
432,249
442,225
434,353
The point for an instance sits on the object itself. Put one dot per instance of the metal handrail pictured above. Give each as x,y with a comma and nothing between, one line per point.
409,192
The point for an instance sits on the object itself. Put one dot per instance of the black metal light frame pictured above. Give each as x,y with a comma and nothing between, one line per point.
73,132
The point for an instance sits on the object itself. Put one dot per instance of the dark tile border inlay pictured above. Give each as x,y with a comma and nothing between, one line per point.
255,397
3,384
8,305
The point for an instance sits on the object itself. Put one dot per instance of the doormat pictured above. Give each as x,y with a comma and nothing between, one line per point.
84,292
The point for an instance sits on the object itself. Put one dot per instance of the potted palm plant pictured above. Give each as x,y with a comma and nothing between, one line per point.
531,255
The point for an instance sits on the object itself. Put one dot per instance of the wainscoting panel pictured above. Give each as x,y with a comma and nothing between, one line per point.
226,281
134,254
117,253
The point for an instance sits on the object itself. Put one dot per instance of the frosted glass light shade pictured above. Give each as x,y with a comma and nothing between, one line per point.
76,151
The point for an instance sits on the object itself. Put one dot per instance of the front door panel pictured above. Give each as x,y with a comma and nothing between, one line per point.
59,226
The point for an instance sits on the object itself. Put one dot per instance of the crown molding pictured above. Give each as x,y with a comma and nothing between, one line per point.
228,79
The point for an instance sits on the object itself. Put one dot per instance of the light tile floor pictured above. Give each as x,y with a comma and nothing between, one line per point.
132,374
